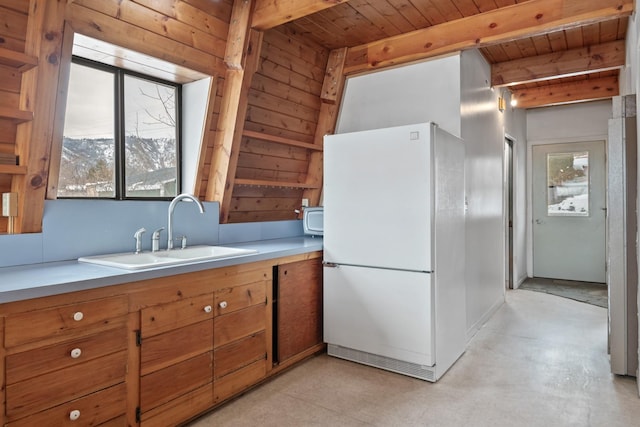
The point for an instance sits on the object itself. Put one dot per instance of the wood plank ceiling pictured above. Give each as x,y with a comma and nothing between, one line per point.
565,51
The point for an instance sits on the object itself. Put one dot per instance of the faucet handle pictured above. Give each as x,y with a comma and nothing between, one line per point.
138,236
183,241
155,240
156,234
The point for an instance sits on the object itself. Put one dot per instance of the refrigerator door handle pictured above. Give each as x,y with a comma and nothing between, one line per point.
330,264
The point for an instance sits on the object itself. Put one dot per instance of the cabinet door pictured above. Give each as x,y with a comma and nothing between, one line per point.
299,305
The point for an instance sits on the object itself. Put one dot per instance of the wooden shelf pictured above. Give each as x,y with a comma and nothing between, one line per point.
18,116
18,60
280,140
265,183
13,170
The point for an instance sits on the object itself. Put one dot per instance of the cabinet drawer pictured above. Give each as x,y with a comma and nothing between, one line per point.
26,327
92,410
52,389
239,324
229,300
174,315
166,349
167,384
234,356
29,364
239,380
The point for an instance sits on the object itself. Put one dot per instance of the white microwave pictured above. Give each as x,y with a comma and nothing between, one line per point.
313,221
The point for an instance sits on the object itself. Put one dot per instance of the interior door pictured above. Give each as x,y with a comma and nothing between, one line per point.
569,211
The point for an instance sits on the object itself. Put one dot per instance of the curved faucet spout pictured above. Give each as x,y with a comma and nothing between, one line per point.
172,206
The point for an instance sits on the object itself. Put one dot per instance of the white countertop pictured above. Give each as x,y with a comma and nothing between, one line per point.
39,280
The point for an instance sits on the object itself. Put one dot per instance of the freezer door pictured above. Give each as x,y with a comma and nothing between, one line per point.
383,312
378,198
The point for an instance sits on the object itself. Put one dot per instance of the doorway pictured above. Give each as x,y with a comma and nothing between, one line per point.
569,211
508,209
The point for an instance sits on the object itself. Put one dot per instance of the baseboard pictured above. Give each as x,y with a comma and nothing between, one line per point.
471,332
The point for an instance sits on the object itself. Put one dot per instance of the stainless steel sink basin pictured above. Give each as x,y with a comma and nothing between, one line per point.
131,261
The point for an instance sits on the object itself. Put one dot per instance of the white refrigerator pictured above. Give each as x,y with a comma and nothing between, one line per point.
394,244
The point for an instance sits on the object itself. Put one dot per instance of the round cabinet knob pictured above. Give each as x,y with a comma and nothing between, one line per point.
74,415
75,353
78,316
208,309
223,304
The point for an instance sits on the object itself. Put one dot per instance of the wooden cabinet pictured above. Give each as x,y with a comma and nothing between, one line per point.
156,352
298,308
176,355
67,364
240,337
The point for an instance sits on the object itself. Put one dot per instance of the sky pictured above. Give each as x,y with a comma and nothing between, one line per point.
92,91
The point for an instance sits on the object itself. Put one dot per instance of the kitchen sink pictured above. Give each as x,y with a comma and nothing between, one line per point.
131,261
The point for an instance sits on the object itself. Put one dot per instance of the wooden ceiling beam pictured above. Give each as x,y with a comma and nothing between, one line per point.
565,93
596,58
271,13
509,23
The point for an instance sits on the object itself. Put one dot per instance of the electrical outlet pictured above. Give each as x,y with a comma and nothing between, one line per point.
305,203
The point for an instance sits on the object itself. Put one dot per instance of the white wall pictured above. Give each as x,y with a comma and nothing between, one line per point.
483,129
455,92
427,91
568,123
516,127
194,108
560,124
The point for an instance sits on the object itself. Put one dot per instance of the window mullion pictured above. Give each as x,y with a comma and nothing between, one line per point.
120,136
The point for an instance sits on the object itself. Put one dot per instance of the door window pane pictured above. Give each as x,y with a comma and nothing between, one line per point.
568,184
87,167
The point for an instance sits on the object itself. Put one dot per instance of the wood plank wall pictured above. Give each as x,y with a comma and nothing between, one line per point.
189,33
13,31
284,101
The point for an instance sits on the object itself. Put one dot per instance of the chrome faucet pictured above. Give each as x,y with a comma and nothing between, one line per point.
172,206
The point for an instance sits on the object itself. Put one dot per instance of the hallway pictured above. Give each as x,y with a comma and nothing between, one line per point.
541,360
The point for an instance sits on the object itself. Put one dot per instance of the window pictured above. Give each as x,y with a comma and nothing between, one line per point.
121,135
568,184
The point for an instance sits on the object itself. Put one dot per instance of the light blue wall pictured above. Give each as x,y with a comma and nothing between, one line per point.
75,228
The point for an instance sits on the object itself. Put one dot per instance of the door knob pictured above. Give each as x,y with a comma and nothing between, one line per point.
539,221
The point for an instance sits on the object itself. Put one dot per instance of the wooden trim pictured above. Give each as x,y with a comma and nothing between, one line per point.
38,92
60,111
590,59
130,36
225,188
333,78
331,95
562,93
18,60
527,19
280,140
15,115
271,13
264,183
238,28
13,170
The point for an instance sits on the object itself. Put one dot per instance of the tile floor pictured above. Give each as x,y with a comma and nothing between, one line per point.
541,360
